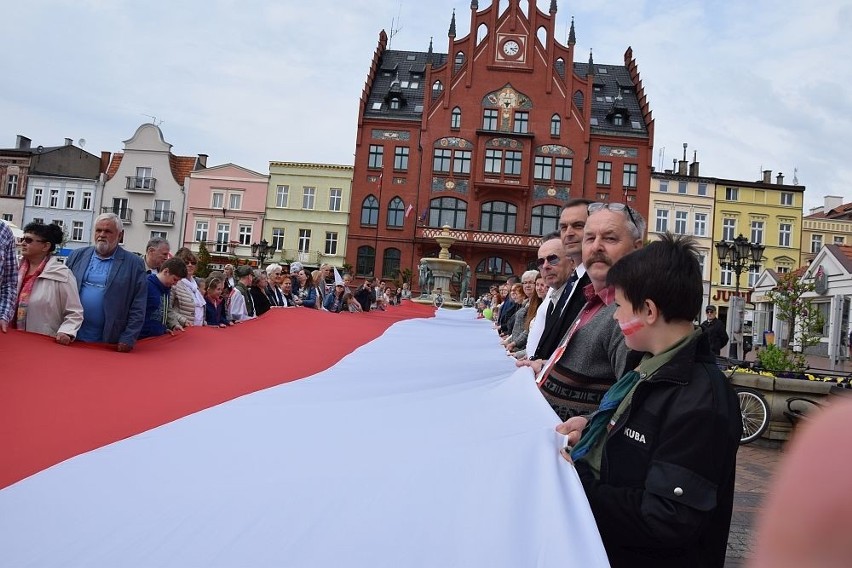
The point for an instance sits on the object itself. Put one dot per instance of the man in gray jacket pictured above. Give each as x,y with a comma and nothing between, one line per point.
592,354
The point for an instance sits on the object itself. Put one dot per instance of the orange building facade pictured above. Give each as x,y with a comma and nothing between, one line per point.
490,138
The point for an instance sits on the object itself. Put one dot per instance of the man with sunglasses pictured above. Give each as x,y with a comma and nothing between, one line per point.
545,334
8,276
593,354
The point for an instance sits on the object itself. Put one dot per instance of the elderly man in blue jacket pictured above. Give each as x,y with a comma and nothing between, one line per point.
112,287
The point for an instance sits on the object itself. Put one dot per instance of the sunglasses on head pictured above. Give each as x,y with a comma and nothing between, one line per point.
613,207
551,259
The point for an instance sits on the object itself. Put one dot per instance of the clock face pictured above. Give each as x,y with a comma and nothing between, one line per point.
511,48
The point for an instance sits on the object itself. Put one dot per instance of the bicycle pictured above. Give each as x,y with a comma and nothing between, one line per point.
753,406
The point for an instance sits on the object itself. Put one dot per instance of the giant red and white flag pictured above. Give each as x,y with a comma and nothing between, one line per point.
396,439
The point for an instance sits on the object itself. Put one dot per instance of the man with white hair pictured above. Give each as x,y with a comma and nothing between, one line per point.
592,355
113,287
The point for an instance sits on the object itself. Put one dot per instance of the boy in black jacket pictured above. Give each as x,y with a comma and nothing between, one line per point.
658,459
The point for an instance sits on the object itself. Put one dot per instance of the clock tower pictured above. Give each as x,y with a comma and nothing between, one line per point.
491,138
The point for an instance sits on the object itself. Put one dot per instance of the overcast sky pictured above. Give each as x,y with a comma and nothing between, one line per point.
750,85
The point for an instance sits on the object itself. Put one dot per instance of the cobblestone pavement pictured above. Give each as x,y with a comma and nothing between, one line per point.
756,463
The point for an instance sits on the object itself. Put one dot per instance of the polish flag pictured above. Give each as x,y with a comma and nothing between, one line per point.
408,210
210,449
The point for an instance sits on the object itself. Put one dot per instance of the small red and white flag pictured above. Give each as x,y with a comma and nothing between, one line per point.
408,210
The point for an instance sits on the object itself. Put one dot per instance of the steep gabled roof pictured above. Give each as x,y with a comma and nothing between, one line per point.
181,166
398,68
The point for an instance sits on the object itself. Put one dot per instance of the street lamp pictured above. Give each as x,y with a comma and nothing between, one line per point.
738,256
261,250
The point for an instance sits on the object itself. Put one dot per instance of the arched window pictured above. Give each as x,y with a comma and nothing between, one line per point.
455,118
390,262
448,211
545,219
555,125
366,261
495,266
481,33
542,35
437,87
396,212
394,103
370,211
578,100
498,217
459,61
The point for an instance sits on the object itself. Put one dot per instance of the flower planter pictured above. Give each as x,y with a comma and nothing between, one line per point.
777,390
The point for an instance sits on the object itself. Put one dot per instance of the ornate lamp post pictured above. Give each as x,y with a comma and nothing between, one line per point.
738,256
261,250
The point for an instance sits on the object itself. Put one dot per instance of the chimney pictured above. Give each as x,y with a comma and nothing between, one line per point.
22,142
693,167
69,142
767,176
105,157
201,162
779,179
831,202
681,167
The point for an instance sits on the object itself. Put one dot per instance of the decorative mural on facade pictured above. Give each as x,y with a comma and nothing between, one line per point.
504,143
446,184
545,192
554,150
454,142
377,134
617,152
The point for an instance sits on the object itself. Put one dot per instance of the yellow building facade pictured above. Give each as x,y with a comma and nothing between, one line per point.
765,213
684,204
307,212
830,224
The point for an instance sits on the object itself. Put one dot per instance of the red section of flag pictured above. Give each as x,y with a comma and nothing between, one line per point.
379,184
408,210
57,401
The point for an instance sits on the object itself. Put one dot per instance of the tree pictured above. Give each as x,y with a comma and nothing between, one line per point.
804,324
202,270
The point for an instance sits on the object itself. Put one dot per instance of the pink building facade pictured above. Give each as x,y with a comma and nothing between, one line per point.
226,210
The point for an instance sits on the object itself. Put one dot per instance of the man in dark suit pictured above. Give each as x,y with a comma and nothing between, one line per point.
572,220
112,286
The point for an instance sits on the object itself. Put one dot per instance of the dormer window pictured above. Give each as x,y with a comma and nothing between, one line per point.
617,120
394,104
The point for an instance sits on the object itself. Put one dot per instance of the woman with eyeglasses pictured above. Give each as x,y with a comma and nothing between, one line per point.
187,301
48,300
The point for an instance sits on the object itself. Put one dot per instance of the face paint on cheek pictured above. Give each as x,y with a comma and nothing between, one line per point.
631,327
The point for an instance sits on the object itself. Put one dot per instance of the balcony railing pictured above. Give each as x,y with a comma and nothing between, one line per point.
159,217
123,213
140,184
483,237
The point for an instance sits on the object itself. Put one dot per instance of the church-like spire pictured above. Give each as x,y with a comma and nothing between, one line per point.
452,33
591,70
474,5
572,39
552,6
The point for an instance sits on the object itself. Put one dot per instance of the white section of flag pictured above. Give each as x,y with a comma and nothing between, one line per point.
408,210
425,447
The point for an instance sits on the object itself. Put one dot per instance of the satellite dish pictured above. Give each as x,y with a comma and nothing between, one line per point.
81,142
40,149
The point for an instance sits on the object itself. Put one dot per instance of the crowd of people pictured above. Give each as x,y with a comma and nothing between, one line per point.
608,327
606,324
104,294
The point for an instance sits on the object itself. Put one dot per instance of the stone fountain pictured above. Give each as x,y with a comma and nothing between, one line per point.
438,272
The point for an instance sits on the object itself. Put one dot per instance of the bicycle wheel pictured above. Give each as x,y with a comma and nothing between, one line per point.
755,414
